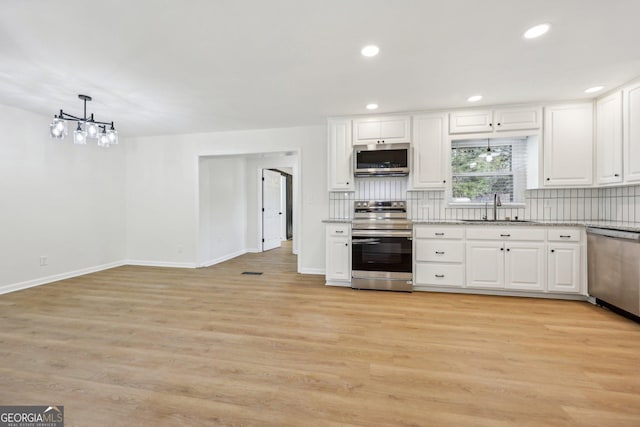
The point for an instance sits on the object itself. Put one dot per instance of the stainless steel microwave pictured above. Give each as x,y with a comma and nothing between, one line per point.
381,159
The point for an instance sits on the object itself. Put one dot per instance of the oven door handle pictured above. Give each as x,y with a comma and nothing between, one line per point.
372,241
382,233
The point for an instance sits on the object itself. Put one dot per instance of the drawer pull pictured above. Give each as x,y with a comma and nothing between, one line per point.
439,234
440,276
565,236
339,231
439,253
505,235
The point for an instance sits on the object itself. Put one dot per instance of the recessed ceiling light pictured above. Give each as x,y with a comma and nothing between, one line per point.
371,50
536,31
474,98
372,106
594,89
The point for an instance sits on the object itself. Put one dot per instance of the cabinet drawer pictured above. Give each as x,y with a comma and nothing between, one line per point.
439,274
506,233
339,230
564,235
439,232
439,251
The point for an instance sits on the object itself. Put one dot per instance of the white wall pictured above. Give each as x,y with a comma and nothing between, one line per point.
162,190
223,214
57,200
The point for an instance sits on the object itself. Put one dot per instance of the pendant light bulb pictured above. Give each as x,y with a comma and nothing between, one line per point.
79,136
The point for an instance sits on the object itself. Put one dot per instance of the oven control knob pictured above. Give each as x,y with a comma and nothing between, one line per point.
394,204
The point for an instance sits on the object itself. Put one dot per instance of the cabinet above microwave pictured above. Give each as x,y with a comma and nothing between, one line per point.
382,130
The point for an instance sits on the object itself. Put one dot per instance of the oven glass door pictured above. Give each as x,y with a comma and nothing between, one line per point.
391,254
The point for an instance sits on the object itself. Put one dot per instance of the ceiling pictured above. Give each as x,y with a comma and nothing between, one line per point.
181,66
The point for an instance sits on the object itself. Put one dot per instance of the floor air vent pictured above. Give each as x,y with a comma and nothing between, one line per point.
252,273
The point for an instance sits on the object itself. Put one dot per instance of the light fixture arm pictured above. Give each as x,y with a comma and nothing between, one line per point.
67,116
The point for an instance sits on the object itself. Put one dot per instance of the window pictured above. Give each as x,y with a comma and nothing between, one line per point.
482,168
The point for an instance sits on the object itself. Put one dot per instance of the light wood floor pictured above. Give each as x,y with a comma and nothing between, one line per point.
141,346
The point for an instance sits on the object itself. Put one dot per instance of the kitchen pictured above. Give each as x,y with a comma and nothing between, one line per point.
577,168
107,309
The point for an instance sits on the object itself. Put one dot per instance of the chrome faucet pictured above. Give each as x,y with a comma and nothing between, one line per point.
496,203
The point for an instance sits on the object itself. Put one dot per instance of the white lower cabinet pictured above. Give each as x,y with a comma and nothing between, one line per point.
508,259
564,256
439,256
485,265
338,255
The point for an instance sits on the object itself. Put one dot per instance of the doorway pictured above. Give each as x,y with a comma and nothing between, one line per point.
277,208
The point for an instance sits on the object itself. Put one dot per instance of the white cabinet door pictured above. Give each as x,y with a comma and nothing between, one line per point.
387,130
485,265
525,266
517,118
568,145
430,151
471,121
609,139
338,261
631,123
564,268
340,156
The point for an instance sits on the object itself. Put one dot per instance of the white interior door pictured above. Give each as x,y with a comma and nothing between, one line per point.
271,212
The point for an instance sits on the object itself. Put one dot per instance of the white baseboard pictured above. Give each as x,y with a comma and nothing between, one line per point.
319,271
143,263
253,250
223,258
56,277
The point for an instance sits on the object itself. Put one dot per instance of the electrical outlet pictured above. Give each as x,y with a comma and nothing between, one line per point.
44,261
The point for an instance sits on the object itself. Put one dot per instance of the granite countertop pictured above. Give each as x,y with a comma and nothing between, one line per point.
625,226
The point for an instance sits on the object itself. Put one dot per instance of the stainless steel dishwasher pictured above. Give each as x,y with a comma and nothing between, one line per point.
613,260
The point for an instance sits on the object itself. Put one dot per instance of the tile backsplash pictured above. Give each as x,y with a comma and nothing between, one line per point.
620,204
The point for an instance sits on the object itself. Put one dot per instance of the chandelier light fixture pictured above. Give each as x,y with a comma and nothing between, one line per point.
87,128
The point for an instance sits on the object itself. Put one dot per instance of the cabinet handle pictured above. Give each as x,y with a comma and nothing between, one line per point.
444,182
346,244
498,124
553,250
505,235
502,249
439,253
440,276
490,124
616,174
548,179
439,234
508,250
339,231
565,237
347,182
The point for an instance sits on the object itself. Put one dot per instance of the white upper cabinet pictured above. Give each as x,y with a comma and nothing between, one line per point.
517,118
568,145
382,130
631,126
609,139
340,153
503,119
471,121
430,151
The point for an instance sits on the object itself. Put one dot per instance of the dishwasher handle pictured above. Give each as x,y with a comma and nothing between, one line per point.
618,234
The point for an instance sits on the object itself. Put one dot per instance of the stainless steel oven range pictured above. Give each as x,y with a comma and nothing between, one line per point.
381,246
